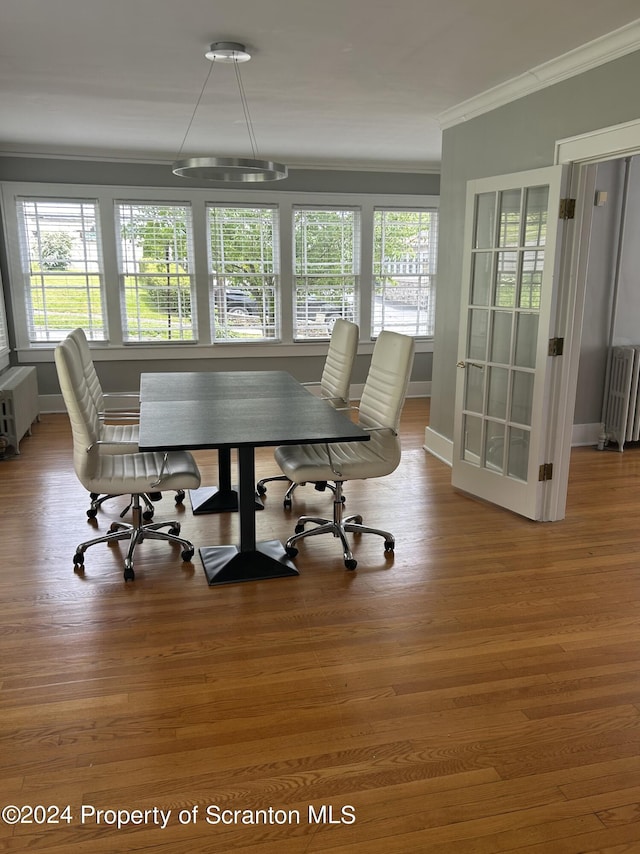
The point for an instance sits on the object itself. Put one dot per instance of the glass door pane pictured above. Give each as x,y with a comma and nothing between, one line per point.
506,312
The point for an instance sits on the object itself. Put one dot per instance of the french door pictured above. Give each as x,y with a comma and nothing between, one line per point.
508,304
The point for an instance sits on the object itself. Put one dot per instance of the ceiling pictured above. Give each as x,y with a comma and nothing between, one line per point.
333,83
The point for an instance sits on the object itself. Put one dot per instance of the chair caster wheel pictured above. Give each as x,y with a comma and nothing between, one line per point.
357,519
92,513
129,574
351,563
186,555
147,515
180,496
78,560
389,545
298,529
175,529
261,489
93,496
291,551
287,504
155,496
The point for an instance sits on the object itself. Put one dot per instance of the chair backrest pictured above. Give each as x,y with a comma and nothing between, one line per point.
79,337
83,415
387,381
336,375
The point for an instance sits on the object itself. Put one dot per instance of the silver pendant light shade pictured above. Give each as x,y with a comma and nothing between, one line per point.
239,169
230,169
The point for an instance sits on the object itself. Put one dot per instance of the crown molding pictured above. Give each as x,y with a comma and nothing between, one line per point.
597,52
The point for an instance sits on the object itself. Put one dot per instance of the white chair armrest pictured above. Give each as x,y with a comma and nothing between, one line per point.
113,442
114,415
380,429
121,394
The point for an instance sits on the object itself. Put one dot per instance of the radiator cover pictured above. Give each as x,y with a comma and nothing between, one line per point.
18,403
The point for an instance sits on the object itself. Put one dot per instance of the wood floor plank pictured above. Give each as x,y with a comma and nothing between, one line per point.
475,693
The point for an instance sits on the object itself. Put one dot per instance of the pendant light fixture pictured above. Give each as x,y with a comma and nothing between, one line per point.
240,169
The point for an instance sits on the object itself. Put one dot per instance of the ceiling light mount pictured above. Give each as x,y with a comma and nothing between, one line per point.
238,169
228,52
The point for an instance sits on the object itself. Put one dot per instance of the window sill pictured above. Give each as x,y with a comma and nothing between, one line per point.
179,352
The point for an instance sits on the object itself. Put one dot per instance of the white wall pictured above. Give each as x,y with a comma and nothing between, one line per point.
611,315
627,315
599,291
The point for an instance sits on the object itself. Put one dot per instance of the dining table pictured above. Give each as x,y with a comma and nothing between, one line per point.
241,410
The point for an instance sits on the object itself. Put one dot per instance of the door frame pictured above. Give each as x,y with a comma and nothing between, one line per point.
582,153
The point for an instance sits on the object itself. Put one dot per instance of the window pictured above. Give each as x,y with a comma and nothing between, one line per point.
4,334
405,246
171,273
326,268
243,258
62,267
155,271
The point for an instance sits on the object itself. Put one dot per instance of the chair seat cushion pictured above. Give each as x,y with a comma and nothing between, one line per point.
121,474
353,460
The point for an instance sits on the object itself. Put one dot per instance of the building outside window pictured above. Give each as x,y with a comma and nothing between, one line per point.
405,248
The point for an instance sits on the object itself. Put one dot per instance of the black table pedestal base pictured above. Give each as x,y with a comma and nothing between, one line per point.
228,565
210,499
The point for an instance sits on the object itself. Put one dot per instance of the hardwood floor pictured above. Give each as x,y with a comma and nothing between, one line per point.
477,693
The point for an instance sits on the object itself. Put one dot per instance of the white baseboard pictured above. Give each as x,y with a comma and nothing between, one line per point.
438,446
51,403
442,448
585,434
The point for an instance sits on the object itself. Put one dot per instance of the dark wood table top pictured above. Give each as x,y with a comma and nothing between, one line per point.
232,409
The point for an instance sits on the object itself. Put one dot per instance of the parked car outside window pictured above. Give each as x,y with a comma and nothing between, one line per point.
241,303
323,311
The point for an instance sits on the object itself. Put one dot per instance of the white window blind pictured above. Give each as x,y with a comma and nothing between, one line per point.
326,269
62,267
4,335
405,248
243,272
156,262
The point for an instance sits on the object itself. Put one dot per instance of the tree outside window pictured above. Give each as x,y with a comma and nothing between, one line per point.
155,249
326,269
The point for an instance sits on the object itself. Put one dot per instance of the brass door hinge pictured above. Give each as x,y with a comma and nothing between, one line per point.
567,208
556,346
545,472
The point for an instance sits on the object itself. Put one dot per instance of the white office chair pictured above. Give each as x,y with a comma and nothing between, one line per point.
133,474
118,433
116,438
334,388
379,413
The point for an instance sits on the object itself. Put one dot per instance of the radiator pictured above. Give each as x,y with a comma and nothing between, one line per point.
622,412
18,403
